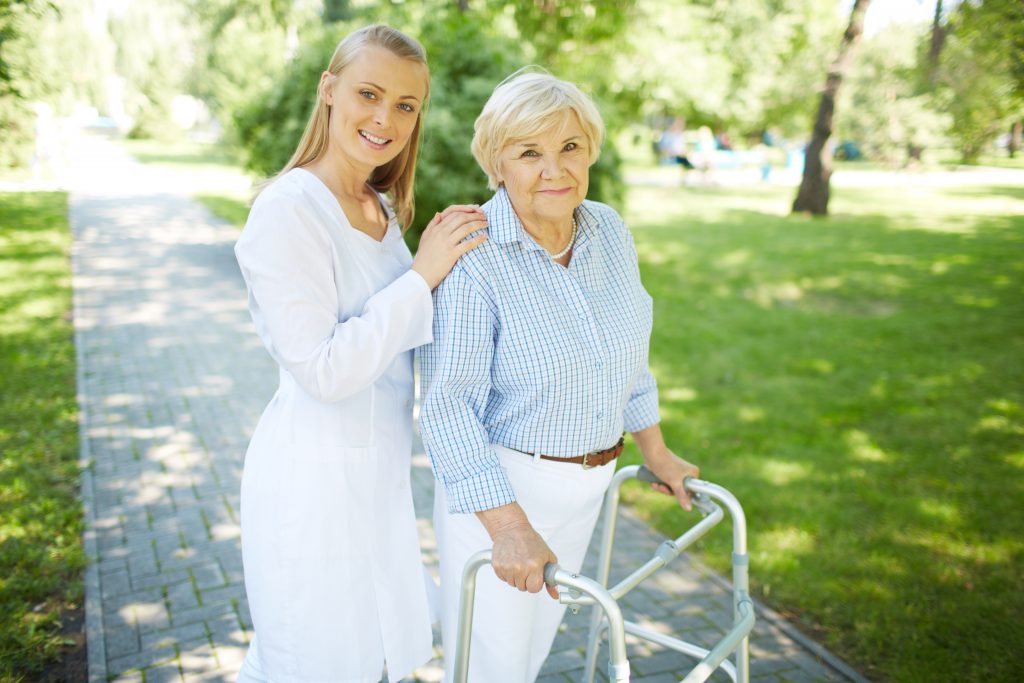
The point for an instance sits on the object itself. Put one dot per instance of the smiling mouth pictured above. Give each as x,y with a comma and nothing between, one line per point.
374,139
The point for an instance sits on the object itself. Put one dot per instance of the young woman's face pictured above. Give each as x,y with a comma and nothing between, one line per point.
375,102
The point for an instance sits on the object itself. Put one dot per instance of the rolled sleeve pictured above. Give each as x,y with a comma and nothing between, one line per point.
642,408
456,370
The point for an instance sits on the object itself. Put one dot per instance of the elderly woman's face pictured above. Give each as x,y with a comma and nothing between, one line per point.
547,175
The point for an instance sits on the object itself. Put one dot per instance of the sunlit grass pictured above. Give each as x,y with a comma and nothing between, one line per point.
232,209
194,156
857,382
211,172
41,557
1001,160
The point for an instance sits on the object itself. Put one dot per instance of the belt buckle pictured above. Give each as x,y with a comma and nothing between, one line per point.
585,455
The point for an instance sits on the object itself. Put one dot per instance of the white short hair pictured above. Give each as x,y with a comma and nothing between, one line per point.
524,105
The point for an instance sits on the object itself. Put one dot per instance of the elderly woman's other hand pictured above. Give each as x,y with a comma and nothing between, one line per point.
519,554
673,470
666,465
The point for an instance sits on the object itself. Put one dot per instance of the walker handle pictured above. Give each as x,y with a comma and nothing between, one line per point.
550,569
644,474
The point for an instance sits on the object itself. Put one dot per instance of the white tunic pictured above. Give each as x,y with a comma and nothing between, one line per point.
329,542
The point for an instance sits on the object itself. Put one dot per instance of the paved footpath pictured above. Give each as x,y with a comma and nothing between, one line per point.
172,380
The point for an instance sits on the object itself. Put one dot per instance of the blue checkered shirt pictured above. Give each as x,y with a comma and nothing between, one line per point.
533,356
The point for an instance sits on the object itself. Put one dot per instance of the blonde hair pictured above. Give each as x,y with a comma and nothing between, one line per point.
397,175
525,104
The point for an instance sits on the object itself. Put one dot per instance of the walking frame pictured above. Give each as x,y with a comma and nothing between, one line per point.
579,591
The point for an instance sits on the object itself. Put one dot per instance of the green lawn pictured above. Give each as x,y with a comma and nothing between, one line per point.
41,557
1000,158
1002,161
231,209
193,156
858,383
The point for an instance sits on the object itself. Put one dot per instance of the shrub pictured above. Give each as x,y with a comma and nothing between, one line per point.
465,65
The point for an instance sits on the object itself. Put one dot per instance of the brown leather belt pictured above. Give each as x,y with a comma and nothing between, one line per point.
593,458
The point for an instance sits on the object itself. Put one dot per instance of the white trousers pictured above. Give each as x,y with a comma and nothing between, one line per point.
252,669
513,631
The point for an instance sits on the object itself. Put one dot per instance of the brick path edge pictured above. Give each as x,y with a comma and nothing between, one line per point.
94,637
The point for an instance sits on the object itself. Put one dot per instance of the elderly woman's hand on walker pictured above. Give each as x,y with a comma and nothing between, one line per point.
666,465
519,554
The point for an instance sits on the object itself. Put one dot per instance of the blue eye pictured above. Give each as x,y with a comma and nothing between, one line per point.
368,94
407,107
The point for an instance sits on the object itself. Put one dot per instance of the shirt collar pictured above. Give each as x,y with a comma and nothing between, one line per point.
505,227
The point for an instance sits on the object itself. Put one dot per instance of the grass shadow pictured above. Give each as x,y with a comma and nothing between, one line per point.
856,382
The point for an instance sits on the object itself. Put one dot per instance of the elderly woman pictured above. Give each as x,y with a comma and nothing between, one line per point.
538,366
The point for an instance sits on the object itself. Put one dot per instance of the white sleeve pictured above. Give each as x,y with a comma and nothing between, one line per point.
286,261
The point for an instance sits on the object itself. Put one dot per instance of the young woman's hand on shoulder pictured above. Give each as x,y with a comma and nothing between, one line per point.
444,241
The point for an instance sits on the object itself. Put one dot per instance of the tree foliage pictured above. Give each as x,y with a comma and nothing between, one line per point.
887,106
50,52
270,125
982,66
737,66
18,19
154,55
243,50
224,76
469,51
467,60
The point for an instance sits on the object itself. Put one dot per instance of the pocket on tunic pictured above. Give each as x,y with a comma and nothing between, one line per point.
327,494
347,423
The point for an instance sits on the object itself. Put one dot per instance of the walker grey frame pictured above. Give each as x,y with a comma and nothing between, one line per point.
582,591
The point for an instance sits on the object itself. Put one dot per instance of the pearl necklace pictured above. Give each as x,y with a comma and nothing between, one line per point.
572,241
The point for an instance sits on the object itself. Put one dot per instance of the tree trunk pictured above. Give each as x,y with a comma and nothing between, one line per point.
1015,135
813,194
935,48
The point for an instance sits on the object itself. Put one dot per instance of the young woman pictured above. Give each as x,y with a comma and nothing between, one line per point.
329,543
